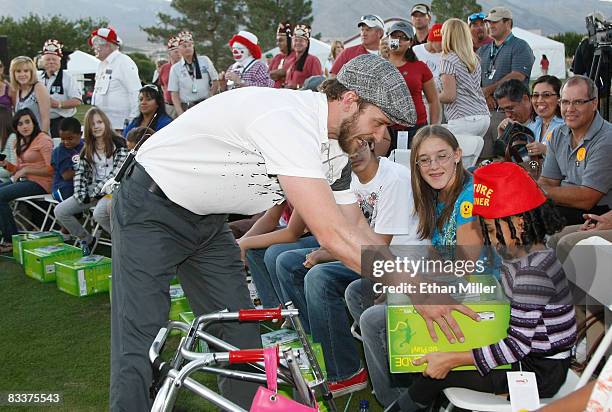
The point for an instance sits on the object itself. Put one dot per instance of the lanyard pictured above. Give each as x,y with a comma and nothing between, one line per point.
494,52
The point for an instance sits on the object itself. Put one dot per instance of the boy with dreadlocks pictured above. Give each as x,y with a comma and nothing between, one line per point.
515,217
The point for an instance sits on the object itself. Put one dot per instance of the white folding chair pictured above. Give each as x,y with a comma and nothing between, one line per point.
24,223
401,154
471,147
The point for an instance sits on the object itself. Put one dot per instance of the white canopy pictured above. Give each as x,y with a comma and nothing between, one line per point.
82,63
554,51
317,48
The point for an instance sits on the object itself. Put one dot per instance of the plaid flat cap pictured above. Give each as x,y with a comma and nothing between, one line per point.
377,81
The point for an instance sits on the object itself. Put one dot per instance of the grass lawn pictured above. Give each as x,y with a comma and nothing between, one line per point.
53,342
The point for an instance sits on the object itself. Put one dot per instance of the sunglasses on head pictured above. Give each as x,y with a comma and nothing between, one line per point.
476,16
151,86
371,17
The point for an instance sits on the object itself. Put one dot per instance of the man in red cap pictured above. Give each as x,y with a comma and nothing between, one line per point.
117,81
164,74
431,52
63,89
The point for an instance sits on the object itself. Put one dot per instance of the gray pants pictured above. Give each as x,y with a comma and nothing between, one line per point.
153,240
65,213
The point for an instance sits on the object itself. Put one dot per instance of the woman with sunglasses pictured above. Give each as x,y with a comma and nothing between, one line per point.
545,94
397,48
465,106
151,102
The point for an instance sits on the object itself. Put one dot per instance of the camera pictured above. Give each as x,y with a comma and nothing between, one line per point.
394,44
599,30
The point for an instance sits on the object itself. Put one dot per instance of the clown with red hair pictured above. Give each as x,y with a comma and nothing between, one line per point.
248,69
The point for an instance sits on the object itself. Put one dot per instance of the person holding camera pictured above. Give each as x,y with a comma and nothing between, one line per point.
30,176
397,48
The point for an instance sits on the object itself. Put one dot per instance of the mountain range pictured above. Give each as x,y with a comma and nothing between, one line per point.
333,19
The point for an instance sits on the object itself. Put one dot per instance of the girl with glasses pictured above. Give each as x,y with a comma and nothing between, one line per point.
545,101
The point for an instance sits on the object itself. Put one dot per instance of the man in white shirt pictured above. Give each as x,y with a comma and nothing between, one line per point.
242,151
63,88
193,78
117,82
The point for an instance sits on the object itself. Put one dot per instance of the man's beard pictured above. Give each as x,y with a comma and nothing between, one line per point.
347,132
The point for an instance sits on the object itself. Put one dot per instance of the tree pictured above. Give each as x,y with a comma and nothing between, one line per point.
461,9
27,36
212,22
146,67
264,16
570,39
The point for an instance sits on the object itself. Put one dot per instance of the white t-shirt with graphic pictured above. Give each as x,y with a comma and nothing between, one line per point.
224,154
386,202
433,61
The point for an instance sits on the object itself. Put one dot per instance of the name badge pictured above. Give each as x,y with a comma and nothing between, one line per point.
492,74
523,391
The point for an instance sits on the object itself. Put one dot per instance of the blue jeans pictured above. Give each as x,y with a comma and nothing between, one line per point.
262,266
10,191
323,299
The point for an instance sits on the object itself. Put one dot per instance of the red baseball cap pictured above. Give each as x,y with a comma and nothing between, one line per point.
504,189
435,33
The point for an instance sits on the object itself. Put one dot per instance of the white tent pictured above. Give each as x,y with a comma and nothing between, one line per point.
317,48
82,63
554,51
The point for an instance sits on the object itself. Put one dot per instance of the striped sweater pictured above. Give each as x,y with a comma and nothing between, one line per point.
542,318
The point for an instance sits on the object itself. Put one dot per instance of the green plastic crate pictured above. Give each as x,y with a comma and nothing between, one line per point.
40,263
178,302
85,276
28,241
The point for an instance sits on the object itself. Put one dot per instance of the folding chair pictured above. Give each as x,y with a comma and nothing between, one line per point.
24,223
471,147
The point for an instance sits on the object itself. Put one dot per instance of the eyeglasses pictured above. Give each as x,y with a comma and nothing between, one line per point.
545,95
476,16
399,36
440,159
575,103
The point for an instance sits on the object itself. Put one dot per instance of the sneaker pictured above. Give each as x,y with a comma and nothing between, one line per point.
355,383
86,248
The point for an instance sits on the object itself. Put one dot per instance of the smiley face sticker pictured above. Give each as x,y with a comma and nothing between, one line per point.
466,209
580,155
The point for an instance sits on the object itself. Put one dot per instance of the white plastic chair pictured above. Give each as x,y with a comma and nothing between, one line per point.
471,147
401,154
56,142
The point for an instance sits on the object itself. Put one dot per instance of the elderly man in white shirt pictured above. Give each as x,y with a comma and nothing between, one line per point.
63,88
117,81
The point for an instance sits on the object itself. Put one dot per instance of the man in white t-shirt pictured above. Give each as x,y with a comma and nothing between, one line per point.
316,282
242,151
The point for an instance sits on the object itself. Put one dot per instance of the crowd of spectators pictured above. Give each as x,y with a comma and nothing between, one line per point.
465,77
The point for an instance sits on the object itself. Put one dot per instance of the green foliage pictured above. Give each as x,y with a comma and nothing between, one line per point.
461,9
146,67
27,36
214,22
264,16
571,40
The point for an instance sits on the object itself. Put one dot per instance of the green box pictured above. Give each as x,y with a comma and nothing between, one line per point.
178,302
40,263
408,338
28,241
288,338
85,276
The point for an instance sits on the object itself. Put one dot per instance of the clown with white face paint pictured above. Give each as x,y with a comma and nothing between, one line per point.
248,70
